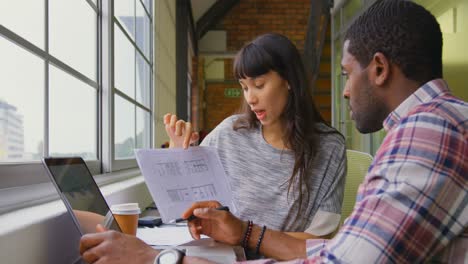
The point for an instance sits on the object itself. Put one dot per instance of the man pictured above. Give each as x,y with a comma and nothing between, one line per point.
412,205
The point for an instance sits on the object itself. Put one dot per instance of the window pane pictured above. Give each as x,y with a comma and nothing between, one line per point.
143,81
21,104
143,129
124,65
124,11
149,6
72,116
124,130
143,30
72,35
25,18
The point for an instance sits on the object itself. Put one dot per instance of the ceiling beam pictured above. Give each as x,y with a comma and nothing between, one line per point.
211,17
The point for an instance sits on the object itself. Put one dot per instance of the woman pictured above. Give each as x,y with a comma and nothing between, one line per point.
285,166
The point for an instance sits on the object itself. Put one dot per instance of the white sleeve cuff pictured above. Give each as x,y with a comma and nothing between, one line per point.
324,223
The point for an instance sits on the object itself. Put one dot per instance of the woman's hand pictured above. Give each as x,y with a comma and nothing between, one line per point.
219,225
181,133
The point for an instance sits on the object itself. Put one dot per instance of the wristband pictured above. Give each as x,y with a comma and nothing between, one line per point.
257,248
248,232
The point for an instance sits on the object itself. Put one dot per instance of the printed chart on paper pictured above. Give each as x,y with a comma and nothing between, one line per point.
176,178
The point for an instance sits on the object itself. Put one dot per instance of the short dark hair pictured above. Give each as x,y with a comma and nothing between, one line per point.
406,33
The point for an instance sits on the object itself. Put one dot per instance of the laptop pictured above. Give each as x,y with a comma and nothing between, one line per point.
87,207
80,193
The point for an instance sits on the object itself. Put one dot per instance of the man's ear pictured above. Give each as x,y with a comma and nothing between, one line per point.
381,68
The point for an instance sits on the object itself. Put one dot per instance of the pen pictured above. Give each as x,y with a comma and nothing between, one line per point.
193,217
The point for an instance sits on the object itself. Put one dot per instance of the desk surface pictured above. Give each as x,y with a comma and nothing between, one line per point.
205,248
179,237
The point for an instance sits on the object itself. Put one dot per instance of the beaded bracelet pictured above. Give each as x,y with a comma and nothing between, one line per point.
248,232
257,248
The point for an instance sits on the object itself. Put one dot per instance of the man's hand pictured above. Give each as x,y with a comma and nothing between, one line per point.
219,225
179,131
108,247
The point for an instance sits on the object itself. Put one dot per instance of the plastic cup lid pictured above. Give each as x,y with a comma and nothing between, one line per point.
126,208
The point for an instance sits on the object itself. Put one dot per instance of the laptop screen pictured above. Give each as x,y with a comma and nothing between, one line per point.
80,193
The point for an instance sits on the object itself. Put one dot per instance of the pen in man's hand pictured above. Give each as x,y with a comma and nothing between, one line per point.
193,217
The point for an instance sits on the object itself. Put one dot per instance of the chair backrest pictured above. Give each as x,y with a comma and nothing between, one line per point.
358,164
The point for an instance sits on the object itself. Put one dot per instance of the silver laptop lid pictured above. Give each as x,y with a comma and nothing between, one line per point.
80,193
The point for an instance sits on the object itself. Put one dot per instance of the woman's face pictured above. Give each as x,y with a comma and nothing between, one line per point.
267,96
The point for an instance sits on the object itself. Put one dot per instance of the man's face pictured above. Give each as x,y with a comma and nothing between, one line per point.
367,109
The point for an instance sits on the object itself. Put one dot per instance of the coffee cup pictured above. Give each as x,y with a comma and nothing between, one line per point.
126,216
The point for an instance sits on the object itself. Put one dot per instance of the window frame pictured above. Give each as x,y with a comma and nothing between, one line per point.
114,163
15,174
27,178
342,16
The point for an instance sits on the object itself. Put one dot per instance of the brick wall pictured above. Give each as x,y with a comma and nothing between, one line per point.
218,106
251,18
322,92
245,21
195,94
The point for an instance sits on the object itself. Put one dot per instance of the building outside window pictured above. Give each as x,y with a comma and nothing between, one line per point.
11,132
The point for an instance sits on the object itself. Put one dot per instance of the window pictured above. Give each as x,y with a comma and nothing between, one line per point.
132,86
76,81
341,20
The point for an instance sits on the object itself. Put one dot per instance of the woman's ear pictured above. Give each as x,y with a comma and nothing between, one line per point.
381,68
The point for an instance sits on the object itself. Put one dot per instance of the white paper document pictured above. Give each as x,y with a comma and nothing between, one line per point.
178,177
207,248
164,236
214,251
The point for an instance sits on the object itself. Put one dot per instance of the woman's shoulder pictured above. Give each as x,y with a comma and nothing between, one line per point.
231,119
226,126
329,137
228,122
224,133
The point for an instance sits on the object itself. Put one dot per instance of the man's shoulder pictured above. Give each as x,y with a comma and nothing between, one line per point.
441,111
431,130
446,105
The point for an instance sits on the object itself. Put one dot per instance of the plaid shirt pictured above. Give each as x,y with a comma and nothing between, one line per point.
412,205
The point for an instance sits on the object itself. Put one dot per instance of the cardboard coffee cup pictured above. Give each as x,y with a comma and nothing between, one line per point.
127,217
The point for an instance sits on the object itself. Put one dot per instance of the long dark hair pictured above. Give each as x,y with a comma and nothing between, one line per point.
275,52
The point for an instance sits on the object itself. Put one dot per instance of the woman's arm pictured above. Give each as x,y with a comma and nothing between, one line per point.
278,245
305,235
225,227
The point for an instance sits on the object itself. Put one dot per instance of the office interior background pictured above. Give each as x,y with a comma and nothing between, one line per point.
93,78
